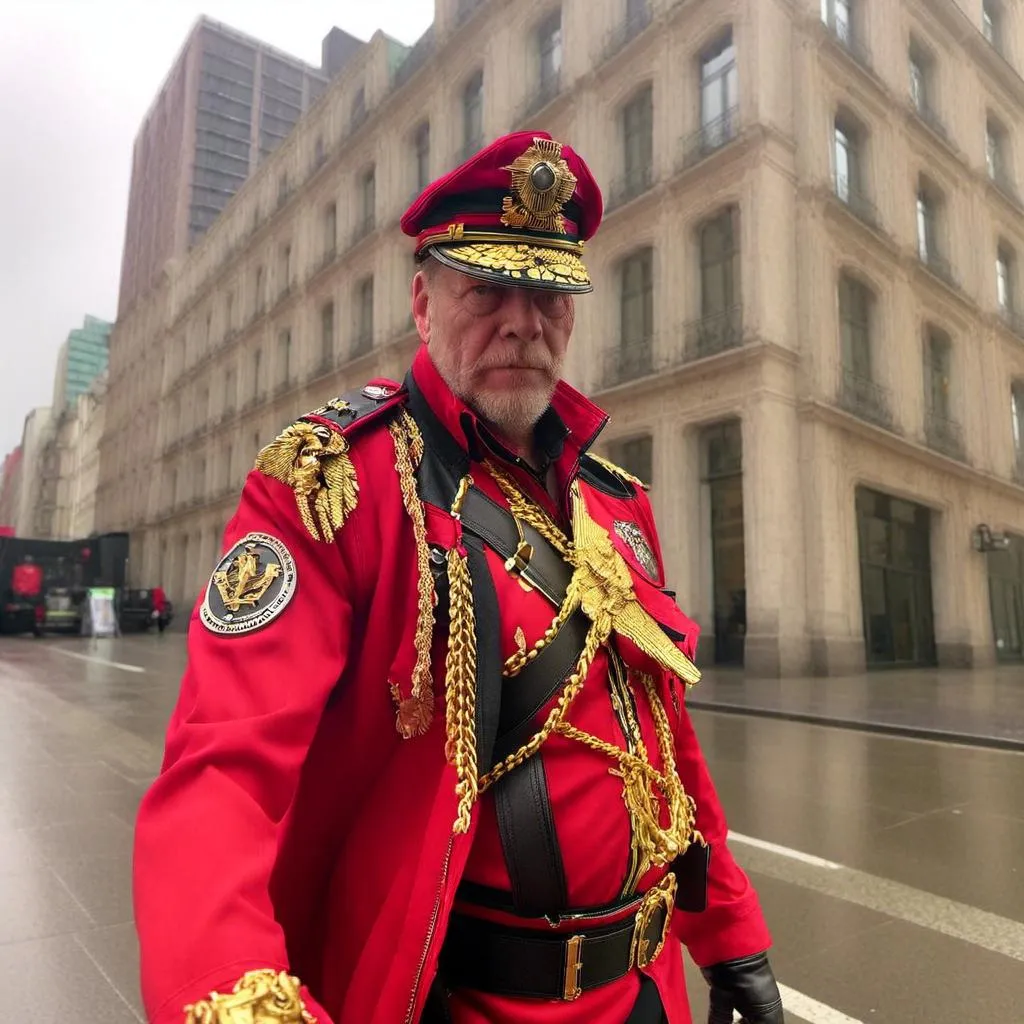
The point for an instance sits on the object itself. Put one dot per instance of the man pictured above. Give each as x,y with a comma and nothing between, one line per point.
430,755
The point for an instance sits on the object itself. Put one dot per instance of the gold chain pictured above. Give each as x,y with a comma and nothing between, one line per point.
416,711
460,688
658,845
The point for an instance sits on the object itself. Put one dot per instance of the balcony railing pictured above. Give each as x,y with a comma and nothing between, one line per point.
630,360
856,201
944,435
846,36
629,186
710,137
625,32
548,89
865,398
713,334
1013,319
939,265
927,114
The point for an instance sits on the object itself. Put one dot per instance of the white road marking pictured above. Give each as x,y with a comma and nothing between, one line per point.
99,661
809,1009
785,851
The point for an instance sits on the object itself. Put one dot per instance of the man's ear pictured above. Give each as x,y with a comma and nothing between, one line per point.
421,306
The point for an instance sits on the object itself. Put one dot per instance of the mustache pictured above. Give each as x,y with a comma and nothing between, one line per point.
512,361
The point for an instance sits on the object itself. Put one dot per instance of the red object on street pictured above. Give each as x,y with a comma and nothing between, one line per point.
6,531
159,599
27,580
291,826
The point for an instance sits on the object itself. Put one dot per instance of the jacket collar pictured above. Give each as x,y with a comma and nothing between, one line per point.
566,430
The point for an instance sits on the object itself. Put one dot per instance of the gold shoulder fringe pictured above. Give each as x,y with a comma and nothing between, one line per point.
313,461
258,996
619,471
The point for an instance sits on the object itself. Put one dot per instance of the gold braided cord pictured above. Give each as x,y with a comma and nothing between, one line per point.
415,712
522,508
521,658
258,996
557,714
460,688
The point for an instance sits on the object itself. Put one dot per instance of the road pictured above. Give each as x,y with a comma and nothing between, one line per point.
890,869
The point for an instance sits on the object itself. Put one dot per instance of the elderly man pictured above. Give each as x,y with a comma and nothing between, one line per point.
430,759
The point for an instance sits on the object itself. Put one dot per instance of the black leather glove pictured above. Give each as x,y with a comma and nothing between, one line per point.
747,985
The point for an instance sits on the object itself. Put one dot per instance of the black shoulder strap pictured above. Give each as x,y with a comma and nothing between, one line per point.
359,407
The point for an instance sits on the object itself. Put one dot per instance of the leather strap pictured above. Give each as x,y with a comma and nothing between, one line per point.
547,571
530,842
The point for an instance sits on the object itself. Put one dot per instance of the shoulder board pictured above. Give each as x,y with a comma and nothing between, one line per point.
359,407
312,455
608,477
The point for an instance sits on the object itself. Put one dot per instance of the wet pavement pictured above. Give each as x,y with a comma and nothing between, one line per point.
891,869
985,707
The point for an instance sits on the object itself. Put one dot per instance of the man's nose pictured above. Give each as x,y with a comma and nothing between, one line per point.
522,319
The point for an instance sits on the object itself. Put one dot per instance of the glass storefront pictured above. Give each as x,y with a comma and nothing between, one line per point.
896,583
723,455
1006,593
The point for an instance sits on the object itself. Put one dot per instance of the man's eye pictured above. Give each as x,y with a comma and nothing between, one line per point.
482,289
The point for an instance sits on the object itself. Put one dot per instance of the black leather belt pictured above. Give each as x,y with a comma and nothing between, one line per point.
529,963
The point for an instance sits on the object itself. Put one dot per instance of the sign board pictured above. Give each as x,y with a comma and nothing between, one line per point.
102,615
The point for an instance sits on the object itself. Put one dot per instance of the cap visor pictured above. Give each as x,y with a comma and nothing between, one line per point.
519,264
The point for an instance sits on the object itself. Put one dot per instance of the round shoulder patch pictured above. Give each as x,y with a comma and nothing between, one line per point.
251,585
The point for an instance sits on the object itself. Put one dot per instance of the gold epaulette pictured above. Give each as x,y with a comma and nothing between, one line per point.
259,997
312,459
621,473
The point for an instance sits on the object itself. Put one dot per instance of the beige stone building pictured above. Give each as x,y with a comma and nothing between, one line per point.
808,326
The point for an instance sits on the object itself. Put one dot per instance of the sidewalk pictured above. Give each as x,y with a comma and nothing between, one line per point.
984,707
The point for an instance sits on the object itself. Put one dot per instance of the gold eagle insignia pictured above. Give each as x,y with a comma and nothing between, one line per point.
541,185
242,583
313,461
259,997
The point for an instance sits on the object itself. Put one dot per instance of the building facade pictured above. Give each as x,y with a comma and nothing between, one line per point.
807,323
36,463
10,489
81,359
227,103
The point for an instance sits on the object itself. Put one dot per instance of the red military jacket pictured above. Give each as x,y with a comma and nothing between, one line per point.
293,828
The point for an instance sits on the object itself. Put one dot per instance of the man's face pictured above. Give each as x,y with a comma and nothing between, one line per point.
499,348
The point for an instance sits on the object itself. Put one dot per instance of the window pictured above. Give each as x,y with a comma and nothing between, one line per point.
473,114
922,74
229,458
258,304
719,264
229,313
230,390
327,334
838,15
719,88
850,164
257,361
635,455
996,161
549,45
284,355
637,294
368,198
928,203
286,268
938,359
1005,274
638,140
364,325
330,229
359,107
421,149
638,13
855,302
992,23
318,152
1017,420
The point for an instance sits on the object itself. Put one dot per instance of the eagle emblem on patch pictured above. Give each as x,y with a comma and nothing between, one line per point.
634,537
251,585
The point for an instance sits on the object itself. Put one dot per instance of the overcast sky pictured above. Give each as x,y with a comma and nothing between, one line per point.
76,78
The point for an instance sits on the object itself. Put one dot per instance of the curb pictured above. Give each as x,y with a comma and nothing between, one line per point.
913,732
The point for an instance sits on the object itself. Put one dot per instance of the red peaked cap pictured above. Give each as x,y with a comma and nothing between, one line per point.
463,218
